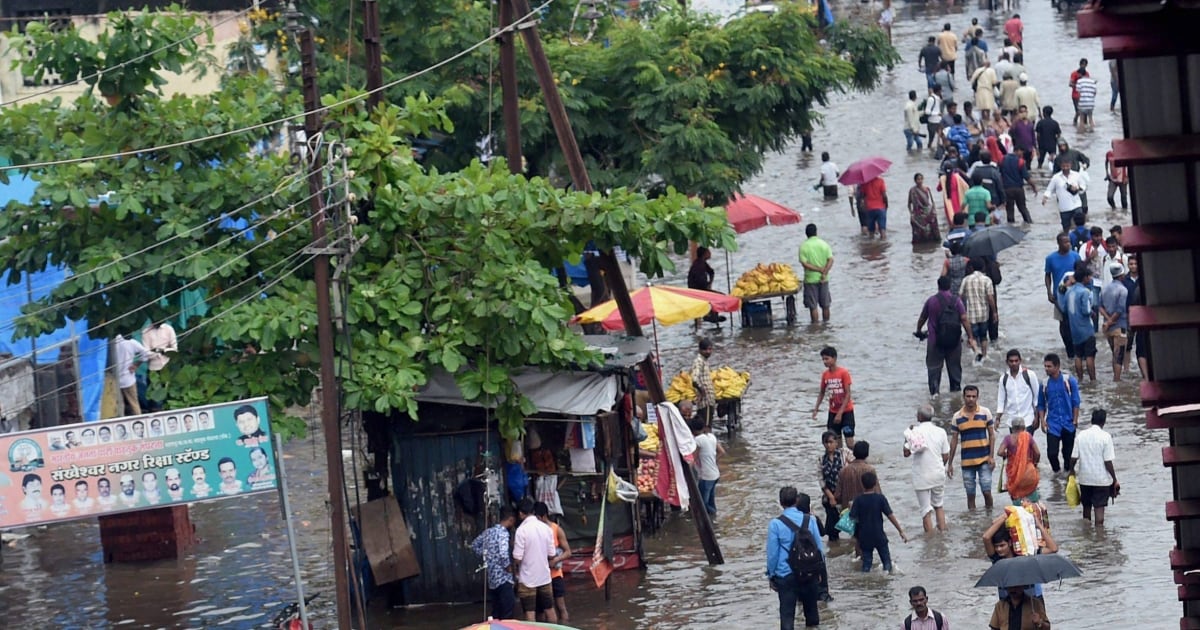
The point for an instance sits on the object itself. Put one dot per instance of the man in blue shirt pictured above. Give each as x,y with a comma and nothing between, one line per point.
1080,308
791,588
1114,316
1058,264
1058,408
492,545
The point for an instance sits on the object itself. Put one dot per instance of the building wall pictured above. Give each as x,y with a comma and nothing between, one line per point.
225,32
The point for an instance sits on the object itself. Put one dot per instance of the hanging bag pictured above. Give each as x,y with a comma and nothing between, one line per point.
847,523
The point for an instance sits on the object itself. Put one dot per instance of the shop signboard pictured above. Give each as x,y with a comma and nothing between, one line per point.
134,463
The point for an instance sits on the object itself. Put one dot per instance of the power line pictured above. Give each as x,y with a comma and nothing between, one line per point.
256,292
185,287
220,217
93,75
147,272
517,24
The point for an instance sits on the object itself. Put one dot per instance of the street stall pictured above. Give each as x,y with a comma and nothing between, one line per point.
452,470
730,385
761,285
750,212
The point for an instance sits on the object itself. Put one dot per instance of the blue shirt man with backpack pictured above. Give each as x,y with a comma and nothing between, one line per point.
947,318
795,559
1058,411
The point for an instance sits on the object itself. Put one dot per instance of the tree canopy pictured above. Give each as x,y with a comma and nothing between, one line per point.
452,272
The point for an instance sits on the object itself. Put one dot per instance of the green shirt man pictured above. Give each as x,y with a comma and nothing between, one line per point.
816,257
978,199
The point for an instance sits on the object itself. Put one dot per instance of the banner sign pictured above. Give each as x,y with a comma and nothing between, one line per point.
135,463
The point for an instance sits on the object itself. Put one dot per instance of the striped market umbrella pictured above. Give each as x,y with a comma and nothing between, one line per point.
666,305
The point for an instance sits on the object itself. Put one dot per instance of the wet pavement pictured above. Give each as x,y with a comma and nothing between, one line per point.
239,573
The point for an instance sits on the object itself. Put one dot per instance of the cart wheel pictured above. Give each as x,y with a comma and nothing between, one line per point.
790,304
733,419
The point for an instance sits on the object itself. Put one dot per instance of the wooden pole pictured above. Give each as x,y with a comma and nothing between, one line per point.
329,382
509,95
612,270
372,51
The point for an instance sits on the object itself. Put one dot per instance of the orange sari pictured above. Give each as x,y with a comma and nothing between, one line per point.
1021,473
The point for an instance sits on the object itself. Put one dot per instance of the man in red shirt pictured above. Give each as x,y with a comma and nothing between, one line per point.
875,203
1014,29
1118,179
836,380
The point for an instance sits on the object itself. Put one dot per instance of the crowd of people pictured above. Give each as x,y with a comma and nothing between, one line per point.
985,148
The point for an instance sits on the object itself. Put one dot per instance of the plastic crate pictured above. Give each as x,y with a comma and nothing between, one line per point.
757,314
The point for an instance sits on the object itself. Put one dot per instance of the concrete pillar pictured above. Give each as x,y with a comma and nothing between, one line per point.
157,534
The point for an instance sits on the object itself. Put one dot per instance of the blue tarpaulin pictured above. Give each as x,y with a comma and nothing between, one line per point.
14,294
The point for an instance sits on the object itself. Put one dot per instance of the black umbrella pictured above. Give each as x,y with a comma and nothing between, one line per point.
1028,570
990,240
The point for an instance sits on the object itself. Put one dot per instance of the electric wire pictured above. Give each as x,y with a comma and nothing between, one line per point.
98,73
147,272
516,25
220,217
256,292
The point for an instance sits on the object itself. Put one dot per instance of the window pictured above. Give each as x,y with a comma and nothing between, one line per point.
57,18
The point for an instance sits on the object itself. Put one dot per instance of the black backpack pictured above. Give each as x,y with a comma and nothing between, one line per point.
804,555
937,620
949,326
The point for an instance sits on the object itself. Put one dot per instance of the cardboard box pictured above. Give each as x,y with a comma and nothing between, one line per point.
387,542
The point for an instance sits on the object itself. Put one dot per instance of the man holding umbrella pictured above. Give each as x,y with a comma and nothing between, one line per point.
1030,612
873,192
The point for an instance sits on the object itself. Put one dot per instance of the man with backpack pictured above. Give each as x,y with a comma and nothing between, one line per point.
947,318
923,617
795,559
1017,395
1058,411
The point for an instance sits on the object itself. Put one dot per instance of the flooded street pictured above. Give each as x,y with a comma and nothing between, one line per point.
239,574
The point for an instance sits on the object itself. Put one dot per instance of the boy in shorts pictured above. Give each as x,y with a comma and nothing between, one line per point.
836,380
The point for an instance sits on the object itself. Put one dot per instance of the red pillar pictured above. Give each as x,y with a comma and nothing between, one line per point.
156,534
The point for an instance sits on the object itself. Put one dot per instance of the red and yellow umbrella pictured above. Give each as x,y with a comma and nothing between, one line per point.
668,305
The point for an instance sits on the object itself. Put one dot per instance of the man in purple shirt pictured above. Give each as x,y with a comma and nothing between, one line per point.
1022,133
948,349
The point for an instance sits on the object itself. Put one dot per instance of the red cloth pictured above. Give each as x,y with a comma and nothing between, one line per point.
993,147
1013,28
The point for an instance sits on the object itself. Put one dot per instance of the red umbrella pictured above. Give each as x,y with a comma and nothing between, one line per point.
865,170
750,212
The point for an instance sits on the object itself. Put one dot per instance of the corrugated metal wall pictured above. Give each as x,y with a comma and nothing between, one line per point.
426,470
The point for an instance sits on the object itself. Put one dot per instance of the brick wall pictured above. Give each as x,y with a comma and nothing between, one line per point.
146,535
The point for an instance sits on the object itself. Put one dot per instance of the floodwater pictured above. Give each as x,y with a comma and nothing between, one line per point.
239,573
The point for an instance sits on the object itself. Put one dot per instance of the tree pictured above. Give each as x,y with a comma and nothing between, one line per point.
452,272
671,99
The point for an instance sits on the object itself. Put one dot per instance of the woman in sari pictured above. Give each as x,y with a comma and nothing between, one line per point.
953,187
1021,456
921,212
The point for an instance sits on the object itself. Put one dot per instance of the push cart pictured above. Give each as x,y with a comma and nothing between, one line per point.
756,309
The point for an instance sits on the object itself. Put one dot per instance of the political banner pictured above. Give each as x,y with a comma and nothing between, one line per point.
136,463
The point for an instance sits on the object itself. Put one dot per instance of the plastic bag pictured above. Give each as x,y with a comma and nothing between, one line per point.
847,523
620,490
1072,491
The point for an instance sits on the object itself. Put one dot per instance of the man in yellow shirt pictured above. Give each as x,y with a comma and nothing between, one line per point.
947,41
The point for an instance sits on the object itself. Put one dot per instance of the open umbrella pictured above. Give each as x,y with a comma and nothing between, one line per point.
865,170
1041,568
990,240
667,305
750,212
514,624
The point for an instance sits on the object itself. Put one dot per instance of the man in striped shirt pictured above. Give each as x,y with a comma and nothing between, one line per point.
974,428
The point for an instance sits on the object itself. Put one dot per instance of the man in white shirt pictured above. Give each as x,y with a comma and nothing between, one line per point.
707,473
1093,466
1016,396
159,339
912,122
929,447
1065,187
129,353
829,177
533,546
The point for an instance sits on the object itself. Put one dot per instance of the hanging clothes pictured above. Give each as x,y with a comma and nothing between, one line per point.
679,445
546,491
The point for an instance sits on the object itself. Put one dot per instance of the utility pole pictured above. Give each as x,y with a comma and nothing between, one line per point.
508,92
612,270
373,51
329,383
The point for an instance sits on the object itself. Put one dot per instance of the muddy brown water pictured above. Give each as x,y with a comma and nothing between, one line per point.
239,573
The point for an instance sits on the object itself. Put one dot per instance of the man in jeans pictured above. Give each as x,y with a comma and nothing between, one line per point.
1058,411
974,429
792,589
533,547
